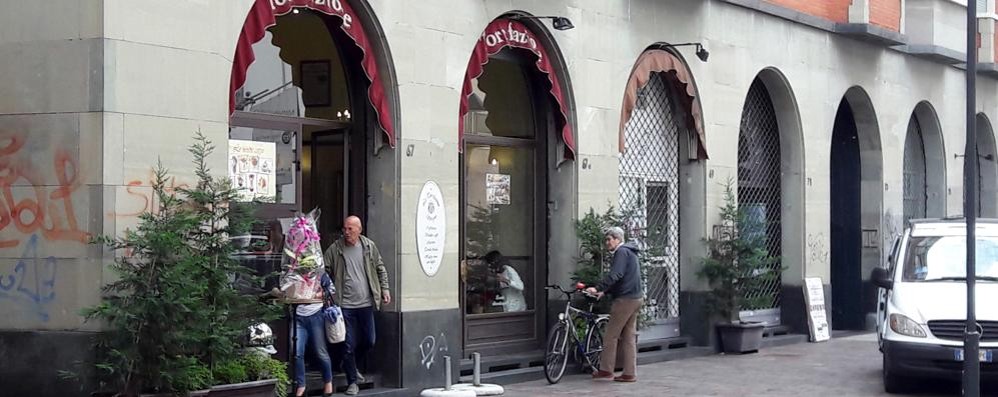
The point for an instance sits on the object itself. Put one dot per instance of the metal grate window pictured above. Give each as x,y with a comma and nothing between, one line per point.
649,191
915,194
759,178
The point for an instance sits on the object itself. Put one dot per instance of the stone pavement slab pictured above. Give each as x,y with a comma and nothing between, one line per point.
847,366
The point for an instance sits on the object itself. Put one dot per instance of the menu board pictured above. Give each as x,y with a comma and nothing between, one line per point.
252,169
817,320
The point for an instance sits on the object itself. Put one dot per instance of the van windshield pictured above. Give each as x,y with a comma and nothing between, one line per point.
938,258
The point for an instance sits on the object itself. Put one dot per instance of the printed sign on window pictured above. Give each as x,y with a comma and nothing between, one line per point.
497,188
252,169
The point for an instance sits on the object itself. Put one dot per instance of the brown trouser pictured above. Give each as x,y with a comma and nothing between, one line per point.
622,328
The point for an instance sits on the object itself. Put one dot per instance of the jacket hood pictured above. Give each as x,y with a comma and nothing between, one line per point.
631,246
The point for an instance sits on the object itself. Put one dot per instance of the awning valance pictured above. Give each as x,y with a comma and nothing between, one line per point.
654,61
502,33
264,14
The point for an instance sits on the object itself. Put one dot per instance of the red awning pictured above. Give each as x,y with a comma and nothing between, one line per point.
502,33
653,61
264,15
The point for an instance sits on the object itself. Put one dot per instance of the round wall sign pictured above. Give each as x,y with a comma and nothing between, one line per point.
431,228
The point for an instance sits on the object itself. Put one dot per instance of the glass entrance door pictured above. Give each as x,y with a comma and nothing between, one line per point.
327,176
502,259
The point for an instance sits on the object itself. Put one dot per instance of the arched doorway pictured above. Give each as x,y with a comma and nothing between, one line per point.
987,163
855,184
313,115
515,132
771,190
924,168
661,140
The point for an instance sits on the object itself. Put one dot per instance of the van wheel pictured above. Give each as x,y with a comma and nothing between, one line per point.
893,383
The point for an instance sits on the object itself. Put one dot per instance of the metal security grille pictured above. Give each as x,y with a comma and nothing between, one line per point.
759,179
649,192
914,193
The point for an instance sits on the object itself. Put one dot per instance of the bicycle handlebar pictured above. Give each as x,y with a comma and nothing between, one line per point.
579,287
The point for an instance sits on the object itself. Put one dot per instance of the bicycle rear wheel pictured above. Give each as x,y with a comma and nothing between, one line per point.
594,343
556,354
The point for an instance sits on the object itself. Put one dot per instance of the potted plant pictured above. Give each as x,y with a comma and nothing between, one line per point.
737,267
174,322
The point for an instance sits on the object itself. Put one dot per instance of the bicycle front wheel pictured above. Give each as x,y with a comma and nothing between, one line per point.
594,343
556,354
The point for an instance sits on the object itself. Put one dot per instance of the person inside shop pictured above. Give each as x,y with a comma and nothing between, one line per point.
362,281
623,282
310,331
510,284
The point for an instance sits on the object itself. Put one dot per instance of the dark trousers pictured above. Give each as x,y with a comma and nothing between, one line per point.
360,340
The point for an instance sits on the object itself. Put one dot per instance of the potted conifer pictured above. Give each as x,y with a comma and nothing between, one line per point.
173,320
737,267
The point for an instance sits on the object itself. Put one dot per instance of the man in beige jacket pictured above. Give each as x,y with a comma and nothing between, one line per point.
362,287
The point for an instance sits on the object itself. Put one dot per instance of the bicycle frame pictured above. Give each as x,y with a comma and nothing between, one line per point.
567,317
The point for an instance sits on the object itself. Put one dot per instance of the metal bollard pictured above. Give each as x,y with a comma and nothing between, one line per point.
476,357
447,370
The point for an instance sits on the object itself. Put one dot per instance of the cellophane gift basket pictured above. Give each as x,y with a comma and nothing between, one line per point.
303,261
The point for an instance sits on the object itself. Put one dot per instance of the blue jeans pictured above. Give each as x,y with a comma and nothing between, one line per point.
311,331
360,339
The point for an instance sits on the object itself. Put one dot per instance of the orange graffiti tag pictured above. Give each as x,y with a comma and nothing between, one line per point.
49,212
147,199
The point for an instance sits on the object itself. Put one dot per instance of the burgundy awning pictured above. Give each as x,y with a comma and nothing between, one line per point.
502,33
654,61
264,15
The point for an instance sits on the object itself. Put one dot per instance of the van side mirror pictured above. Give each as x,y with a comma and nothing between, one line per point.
881,278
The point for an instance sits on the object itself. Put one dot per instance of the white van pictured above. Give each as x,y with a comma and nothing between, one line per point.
922,309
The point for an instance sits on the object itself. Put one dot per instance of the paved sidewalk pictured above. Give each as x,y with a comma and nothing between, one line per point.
848,366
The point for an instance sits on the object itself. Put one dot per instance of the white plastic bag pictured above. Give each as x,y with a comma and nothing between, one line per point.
336,328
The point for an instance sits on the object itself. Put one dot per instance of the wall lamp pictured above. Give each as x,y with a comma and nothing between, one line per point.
559,23
702,53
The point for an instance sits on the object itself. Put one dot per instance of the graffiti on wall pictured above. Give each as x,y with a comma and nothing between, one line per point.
429,347
817,251
30,281
144,200
32,205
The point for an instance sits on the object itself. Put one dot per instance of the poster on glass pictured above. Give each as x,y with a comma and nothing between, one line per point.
251,169
497,189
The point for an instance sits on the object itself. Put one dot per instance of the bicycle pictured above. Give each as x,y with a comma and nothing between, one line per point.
566,330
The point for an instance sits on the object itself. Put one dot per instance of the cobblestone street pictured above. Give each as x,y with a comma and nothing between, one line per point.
847,366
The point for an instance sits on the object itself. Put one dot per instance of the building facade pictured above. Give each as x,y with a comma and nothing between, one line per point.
836,121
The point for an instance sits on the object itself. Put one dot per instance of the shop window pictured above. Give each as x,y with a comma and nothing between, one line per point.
262,164
500,212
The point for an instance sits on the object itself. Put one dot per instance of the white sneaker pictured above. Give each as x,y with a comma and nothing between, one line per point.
361,378
352,390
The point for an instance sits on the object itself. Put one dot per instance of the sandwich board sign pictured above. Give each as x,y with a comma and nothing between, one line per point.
817,319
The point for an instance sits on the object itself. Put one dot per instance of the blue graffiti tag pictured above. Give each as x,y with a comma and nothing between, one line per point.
31,283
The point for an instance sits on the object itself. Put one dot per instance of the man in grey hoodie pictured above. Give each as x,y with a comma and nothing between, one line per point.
624,283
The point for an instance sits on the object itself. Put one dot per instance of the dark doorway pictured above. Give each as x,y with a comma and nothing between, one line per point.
846,222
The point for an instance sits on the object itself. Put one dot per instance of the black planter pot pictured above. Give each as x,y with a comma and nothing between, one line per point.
260,388
740,337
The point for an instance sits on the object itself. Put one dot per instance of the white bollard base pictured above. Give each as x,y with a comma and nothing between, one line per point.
440,392
481,390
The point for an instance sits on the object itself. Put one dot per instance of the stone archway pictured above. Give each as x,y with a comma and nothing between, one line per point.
924,168
660,180
770,180
856,195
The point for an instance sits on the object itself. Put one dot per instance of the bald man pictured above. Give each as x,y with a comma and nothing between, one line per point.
362,283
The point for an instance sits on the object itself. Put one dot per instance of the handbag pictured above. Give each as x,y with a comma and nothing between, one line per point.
336,328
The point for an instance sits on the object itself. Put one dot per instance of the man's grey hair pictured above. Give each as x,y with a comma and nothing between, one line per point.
615,232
